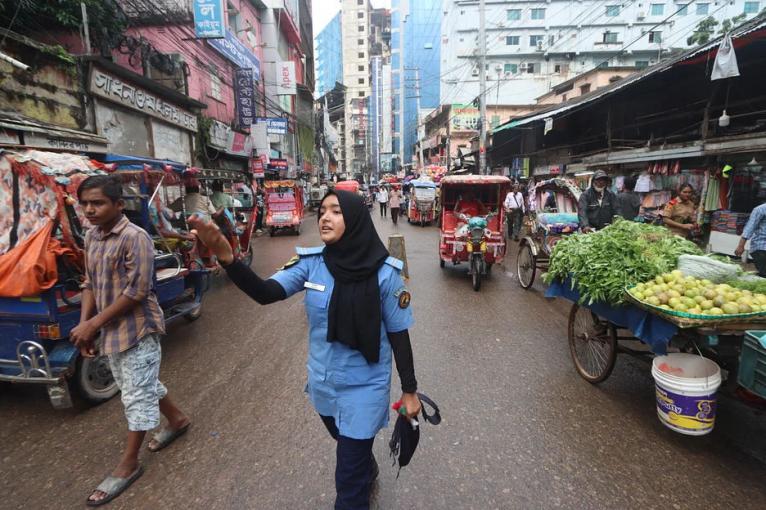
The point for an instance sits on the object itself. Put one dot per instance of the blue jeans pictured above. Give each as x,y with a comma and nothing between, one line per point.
353,469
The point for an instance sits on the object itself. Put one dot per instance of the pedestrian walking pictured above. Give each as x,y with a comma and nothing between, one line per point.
628,204
394,203
755,232
515,210
383,201
359,314
119,302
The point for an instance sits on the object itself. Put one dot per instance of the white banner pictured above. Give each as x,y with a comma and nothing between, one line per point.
286,78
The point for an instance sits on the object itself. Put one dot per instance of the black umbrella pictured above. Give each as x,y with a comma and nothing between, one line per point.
404,440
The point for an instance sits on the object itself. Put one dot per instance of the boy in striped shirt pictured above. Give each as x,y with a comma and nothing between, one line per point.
119,302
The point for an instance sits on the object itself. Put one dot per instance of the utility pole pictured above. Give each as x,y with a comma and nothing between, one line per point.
402,16
482,91
85,27
417,107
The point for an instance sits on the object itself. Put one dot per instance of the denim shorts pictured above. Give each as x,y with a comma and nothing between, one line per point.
137,374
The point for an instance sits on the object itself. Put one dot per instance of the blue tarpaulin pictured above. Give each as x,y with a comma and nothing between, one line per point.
137,162
651,329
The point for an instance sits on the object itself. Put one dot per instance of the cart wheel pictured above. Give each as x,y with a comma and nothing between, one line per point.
441,263
593,344
271,232
475,276
93,380
298,230
526,266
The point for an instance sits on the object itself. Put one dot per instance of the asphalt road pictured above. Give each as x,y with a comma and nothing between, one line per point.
521,429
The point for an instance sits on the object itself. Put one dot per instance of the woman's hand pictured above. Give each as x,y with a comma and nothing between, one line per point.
211,236
411,403
689,226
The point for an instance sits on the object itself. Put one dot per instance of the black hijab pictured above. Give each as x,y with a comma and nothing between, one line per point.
355,312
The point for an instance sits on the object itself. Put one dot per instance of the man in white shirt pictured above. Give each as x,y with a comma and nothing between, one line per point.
514,209
383,201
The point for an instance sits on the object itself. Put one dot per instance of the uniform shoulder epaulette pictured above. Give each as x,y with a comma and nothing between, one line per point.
395,262
302,252
313,250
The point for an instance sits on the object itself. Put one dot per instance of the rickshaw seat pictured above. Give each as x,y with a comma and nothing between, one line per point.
170,272
493,223
450,221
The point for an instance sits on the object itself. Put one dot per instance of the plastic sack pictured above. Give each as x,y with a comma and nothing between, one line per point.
30,267
706,268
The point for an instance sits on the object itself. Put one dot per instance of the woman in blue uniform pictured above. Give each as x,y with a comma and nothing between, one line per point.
358,313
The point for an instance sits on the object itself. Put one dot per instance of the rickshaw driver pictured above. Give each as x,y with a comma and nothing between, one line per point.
469,205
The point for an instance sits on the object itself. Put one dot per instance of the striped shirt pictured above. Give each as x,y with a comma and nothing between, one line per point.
121,262
755,230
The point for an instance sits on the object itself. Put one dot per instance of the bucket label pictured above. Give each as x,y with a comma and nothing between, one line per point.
684,413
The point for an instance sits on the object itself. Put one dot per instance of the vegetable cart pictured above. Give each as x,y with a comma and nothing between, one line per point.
552,215
598,331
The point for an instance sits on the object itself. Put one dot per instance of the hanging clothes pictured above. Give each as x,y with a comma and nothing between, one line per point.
713,196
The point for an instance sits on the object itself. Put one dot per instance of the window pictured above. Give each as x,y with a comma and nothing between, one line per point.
751,7
561,68
658,9
610,37
360,15
361,94
612,11
359,2
361,81
511,68
360,68
534,40
563,98
551,40
530,68
495,121
513,14
538,14
215,87
512,40
360,55
641,64
361,28
584,89
655,37
683,10
702,9
360,42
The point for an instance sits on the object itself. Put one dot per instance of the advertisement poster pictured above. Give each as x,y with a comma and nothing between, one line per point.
286,79
274,125
237,53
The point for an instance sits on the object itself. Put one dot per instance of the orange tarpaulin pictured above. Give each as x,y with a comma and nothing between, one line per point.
30,267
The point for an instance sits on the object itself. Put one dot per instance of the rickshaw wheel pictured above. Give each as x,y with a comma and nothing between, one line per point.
441,263
592,343
475,276
93,379
526,265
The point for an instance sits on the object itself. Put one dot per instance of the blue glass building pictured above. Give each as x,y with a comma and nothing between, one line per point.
328,48
421,37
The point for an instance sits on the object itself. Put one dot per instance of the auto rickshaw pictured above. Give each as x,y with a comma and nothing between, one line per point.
472,219
422,202
39,308
238,221
284,206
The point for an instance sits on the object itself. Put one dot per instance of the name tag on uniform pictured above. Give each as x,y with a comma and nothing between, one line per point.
314,286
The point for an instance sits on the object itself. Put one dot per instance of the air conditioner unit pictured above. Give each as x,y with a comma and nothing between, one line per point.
641,16
539,46
475,72
523,68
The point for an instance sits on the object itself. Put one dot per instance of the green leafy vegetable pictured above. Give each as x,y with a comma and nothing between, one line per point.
602,264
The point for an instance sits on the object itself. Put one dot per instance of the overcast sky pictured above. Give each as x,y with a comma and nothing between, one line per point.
325,10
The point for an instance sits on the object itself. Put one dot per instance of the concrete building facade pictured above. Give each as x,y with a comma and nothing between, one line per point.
534,45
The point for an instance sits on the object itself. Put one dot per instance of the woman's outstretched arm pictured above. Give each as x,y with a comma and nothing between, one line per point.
264,292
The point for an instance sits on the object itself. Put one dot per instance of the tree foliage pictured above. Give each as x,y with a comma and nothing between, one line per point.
706,29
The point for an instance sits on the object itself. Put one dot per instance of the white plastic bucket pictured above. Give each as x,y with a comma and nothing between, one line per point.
686,386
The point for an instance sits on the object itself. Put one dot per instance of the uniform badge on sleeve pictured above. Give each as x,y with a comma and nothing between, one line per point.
404,297
290,263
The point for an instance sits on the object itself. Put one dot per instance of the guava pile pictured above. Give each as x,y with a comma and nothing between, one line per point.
674,291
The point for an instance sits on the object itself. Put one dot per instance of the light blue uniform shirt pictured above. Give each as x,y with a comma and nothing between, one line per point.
341,383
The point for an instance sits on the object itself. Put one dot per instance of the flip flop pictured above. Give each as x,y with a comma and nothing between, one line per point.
113,486
167,436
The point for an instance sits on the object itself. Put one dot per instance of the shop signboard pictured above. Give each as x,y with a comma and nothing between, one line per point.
237,53
277,164
219,134
59,142
274,125
208,19
105,85
256,168
286,78
465,117
244,97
